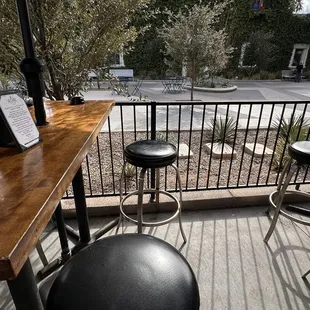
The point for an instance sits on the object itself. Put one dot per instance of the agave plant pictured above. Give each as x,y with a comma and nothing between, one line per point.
223,129
130,171
293,129
161,136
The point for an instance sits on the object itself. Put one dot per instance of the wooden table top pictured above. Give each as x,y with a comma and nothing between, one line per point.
33,182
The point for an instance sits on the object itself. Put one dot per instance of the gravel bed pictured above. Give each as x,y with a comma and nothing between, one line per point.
199,171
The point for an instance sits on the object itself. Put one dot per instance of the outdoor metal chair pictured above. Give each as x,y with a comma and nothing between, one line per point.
165,85
178,83
136,88
184,80
168,85
173,84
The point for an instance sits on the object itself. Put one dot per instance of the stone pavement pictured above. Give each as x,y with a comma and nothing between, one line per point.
247,91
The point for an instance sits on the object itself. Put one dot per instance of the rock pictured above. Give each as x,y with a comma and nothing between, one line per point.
183,151
257,149
218,150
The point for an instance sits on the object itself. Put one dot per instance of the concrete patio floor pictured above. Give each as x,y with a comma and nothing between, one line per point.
233,266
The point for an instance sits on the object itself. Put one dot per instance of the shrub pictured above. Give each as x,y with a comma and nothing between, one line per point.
295,129
264,75
278,75
161,136
224,129
130,171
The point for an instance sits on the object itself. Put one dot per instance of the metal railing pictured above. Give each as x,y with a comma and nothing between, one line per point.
194,124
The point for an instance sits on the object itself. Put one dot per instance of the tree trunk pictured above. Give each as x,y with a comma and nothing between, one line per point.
48,91
192,90
193,73
56,88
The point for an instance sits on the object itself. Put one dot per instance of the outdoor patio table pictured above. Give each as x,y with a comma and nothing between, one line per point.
33,182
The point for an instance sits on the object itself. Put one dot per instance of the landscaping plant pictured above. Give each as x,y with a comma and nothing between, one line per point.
223,130
70,37
130,171
197,39
294,129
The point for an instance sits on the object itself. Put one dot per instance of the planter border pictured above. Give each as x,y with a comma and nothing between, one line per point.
214,90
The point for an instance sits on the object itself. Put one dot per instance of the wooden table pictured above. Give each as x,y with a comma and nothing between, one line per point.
32,183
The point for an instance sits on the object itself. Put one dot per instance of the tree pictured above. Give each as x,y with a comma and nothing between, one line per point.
71,38
196,38
218,53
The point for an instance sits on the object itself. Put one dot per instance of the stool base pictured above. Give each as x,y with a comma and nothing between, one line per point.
285,214
153,224
140,192
150,224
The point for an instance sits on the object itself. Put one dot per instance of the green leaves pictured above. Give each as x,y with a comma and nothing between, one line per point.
196,37
293,129
71,37
222,129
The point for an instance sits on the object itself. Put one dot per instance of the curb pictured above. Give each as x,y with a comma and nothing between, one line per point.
192,201
213,90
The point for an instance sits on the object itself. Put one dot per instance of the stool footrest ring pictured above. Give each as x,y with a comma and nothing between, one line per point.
287,215
151,224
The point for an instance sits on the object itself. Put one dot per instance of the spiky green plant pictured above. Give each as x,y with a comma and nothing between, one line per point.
130,171
161,136
293,129
224,129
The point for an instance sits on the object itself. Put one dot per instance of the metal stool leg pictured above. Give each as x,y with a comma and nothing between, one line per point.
120,221
304,275
157,189
180,190
140,200
280,183
280,198
65,250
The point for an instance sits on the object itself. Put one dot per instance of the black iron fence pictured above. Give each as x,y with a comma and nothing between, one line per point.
256,135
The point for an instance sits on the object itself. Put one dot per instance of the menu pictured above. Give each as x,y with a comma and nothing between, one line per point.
18,120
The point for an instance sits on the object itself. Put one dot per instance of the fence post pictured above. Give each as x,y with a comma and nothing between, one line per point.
153,137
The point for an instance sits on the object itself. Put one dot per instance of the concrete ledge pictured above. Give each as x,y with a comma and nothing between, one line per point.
214,90
196,200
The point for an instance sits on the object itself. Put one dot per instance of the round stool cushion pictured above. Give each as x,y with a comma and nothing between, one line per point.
300,151
151,153
130,271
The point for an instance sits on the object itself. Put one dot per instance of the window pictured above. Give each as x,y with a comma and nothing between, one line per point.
261,5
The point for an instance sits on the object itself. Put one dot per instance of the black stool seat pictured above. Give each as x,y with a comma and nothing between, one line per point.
131,271
300,151
151,153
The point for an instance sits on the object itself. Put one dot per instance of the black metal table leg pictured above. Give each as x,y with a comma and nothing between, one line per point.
24,290
62,231
81,211
100,232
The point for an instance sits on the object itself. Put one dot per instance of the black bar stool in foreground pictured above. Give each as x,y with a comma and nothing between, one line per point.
130,271
299,156
150,154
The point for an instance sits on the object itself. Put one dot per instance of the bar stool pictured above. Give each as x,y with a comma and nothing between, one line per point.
150,154
299,152
129,271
